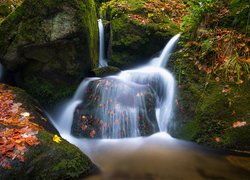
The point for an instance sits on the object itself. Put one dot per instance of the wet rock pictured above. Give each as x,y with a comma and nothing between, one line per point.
113,108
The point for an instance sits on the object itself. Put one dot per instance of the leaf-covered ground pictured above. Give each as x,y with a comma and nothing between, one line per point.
17,132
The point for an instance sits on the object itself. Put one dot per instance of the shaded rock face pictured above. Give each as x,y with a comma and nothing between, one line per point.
28,148
114,108
51,43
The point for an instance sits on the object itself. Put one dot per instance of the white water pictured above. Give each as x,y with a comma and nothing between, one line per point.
162,60
126,101
164,85
102,60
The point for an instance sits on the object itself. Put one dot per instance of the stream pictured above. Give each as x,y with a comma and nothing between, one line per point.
122,149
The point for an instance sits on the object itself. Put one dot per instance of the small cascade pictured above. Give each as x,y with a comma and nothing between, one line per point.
134,103
162,60
102,60
163,84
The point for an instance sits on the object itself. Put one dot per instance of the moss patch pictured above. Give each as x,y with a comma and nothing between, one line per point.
52,160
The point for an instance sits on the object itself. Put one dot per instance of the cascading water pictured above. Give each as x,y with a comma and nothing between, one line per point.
133,103
102,60
162,60
154,157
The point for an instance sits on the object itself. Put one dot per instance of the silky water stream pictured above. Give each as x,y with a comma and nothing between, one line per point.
126,148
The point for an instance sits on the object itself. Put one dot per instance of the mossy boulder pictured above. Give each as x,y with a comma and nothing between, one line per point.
212,76
209,109
40,157
136,30
51,44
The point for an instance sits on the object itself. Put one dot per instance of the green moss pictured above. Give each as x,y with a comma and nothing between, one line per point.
46,92
56,161
90,26
106,71
190,130
4,9
205,110
132,41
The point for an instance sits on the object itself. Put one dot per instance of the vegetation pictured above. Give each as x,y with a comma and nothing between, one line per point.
8,6
212,69
138,29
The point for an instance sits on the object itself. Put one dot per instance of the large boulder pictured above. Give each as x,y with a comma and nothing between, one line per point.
51,45
137,30
113,108
31,146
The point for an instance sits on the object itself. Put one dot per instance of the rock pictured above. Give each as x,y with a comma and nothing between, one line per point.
106,71
52,44
206,109
136,31
31,150
113,108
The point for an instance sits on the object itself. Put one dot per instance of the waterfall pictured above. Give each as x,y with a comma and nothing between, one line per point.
134,103
102,60
162,60
163,84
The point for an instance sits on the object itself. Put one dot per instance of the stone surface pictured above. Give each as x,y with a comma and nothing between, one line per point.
53,44
48,159
113,108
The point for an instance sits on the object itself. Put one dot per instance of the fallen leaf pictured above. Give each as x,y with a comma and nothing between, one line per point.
217,139
57,139
239,124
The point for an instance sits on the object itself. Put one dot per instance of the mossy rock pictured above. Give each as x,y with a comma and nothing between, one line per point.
207,109
106,71
134,33
52,42
51,160
48,159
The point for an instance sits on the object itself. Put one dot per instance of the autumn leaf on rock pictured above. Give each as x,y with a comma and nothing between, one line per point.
17,132
57,139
